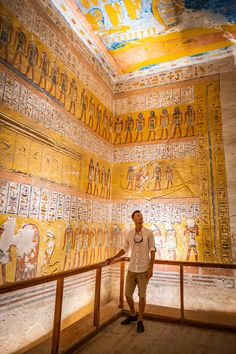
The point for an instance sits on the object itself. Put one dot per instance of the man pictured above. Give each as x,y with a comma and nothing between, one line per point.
141,242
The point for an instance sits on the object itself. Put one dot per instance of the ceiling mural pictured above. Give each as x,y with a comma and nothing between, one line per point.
138,35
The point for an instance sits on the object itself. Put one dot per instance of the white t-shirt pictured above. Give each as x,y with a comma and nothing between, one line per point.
140,251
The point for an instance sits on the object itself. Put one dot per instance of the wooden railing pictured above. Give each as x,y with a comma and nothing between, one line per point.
59,278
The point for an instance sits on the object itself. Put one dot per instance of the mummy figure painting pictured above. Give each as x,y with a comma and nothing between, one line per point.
171,242
68,243
85,242
99,242
78,245
93,244
159,244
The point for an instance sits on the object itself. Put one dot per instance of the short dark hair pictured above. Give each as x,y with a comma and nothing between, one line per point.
134,212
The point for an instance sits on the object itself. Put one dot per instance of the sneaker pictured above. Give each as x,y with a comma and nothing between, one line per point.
129,319
140,327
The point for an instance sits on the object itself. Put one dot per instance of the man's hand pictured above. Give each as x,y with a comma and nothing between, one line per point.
110,260
149,272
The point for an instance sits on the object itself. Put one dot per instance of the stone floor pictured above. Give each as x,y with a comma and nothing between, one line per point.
160,337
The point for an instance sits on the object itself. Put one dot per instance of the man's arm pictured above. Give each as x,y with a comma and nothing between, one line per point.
152,249
119,254
151,264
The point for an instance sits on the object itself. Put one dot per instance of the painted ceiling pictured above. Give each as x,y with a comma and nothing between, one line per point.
134,36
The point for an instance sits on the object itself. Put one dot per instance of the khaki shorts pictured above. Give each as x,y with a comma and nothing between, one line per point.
133,279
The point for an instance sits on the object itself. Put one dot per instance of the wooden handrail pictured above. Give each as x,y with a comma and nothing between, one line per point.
48,278
59,278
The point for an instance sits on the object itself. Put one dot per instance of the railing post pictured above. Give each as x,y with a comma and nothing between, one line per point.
122,277
182,293
57,316
96,318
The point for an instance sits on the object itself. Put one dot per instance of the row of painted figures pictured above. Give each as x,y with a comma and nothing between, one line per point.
52,79
99,180
82,245
169,126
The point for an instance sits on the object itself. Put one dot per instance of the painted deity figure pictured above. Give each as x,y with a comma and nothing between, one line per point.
99,242
20,43
78,245
129,125
177,121
158,240
169,176
190,120
130,177
98,118
117,237
139,126
54,78
164,124
105,124
110,128
83,105
32,55
91,111
152,125
85,242
93,244
5,34
63,86
96,178
171,243
44,66
139,175
157,177
191,233
107,241
103,182
68,243
108,194
73,95
90,177
118,127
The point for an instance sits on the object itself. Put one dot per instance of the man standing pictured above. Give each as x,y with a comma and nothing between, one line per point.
141,242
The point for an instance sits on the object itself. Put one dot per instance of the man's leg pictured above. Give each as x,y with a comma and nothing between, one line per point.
130,302
142,287
129,290
142,303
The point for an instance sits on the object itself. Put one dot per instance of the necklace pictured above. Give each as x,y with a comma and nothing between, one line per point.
138,237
